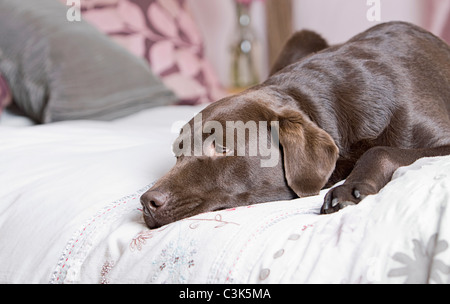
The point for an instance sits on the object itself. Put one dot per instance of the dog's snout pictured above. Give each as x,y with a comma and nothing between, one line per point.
153,200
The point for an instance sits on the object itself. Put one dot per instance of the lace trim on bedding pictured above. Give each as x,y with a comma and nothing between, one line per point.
77,249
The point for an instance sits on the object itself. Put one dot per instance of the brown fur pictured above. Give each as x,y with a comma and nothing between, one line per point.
356,111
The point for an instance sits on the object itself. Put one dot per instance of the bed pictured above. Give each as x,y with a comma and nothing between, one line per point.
70,213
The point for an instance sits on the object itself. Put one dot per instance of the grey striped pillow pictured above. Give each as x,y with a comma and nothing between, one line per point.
61,70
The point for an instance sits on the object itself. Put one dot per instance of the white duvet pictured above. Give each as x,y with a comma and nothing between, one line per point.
70,213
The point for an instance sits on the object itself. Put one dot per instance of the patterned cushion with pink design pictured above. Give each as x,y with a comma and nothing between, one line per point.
164,33
5,94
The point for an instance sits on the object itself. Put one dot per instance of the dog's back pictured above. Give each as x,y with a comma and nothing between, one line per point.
421,61
422,54
384,87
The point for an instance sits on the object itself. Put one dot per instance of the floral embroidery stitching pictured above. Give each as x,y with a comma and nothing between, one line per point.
217,218
107,267
76,249
175,263
138,241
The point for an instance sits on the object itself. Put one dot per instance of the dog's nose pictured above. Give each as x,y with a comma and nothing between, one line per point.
153,200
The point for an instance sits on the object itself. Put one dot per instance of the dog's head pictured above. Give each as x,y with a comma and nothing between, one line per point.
242,150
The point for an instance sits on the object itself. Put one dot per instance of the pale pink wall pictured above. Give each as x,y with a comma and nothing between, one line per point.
336,20
339,20
438,18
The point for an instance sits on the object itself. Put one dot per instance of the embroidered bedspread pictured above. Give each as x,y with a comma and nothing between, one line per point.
70,213
398,236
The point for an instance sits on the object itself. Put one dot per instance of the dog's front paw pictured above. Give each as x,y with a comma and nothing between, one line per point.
345,195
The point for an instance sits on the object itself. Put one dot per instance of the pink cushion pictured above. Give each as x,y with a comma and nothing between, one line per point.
164,33
5,94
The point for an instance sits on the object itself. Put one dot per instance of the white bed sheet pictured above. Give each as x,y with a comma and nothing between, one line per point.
55,176
70,213
12,118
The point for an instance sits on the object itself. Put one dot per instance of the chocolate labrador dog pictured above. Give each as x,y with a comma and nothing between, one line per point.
356,111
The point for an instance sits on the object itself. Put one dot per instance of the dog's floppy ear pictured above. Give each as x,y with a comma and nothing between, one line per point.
310,154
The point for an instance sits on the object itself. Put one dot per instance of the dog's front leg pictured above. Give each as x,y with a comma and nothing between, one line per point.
372,172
